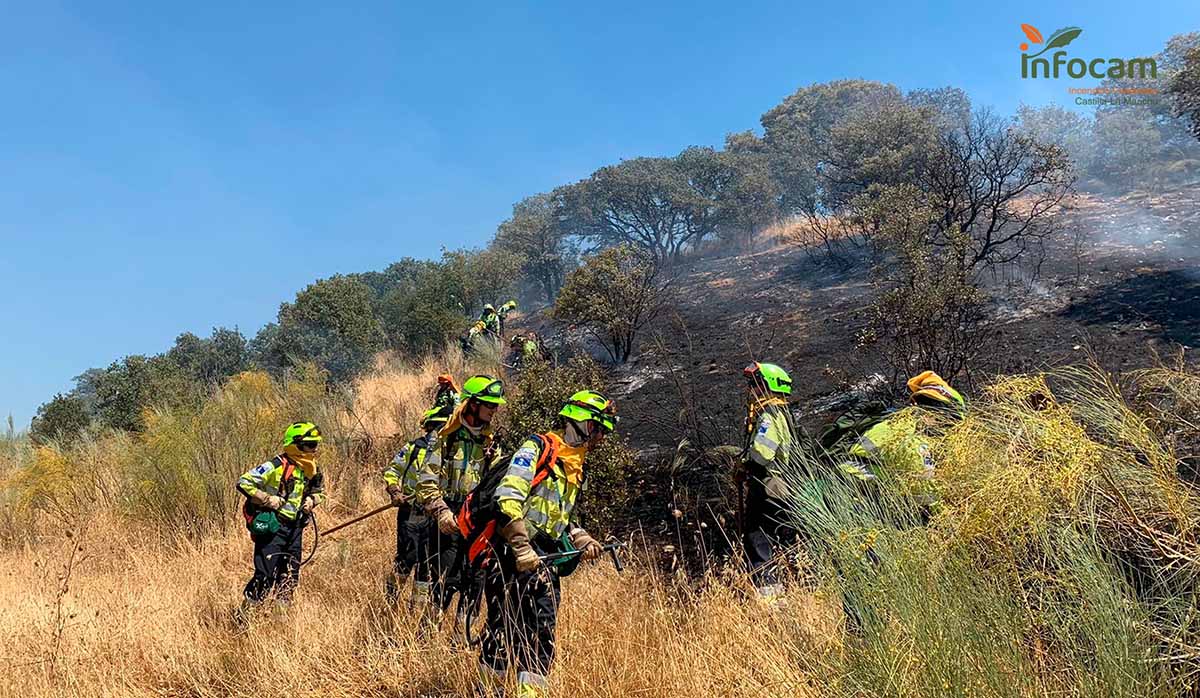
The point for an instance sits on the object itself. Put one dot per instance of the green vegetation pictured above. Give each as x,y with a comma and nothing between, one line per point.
613,297
1062,560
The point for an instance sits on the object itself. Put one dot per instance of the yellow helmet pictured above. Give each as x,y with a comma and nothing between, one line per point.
929,387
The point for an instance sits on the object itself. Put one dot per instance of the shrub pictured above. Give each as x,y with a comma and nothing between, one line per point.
1063,559
535,397
612,297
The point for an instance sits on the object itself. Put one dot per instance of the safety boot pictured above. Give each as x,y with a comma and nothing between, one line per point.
531,685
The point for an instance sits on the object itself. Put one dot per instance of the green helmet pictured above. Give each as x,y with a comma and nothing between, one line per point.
438,414
590,406
775,378
484,388
301,431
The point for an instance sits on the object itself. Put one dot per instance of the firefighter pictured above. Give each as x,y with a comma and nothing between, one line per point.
280,495
450,470
900,445
412,526
770,438
536,515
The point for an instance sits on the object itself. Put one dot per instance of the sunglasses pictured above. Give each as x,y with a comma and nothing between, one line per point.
306,445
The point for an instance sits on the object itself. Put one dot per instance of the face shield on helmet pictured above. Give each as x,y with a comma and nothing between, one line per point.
485,389
590,406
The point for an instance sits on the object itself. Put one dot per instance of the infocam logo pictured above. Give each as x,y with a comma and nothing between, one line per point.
1032,66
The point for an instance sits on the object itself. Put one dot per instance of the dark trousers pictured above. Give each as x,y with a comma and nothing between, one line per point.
412,538
276,563
522,613
445,567
768,528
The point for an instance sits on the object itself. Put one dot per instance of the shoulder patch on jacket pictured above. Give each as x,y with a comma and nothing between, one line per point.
264,468
525,457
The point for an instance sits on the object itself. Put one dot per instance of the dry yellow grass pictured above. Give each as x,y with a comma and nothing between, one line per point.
389,399
141,620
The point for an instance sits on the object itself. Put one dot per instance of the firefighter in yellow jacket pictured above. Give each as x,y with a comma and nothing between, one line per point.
280,494
450,470
770,438
901,445
412,526
523,593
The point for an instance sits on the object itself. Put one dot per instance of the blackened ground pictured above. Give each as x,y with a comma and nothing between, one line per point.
1120,284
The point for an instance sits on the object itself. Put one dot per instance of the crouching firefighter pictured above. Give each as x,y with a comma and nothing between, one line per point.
518,516
280,496
450,470
412,526
899,447
770,437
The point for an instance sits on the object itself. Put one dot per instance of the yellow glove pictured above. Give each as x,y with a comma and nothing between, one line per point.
584,542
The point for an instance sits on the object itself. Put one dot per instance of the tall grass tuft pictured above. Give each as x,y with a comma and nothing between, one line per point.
1061,560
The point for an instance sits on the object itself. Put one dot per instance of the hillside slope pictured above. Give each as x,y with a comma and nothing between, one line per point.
1120,284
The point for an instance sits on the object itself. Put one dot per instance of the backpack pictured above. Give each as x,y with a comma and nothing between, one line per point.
851,425
479,516
251,511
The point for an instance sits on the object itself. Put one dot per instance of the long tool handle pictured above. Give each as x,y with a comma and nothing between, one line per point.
369,514
610,548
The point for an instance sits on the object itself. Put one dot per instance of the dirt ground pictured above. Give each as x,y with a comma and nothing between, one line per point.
1120,284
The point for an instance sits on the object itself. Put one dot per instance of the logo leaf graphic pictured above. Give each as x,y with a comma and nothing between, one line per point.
1031,31
1059,39
1062,37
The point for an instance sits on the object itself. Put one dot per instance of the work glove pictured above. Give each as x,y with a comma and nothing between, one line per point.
447,524
274,503
440,512
309,505
515,535
583,541
396,494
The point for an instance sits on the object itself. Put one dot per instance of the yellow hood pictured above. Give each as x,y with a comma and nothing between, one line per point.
571,458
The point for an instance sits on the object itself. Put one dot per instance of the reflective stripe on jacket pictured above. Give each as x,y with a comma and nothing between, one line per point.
405,468
548,507
451,467
895,445
267,478
770,442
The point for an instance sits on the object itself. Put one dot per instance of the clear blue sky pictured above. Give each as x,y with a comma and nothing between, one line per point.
169,167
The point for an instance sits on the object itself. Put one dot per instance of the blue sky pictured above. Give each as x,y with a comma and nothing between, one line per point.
170,167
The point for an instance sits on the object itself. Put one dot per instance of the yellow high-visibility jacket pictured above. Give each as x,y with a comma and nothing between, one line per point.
894,444
548,507
451,467
405,468
770,438
267,478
